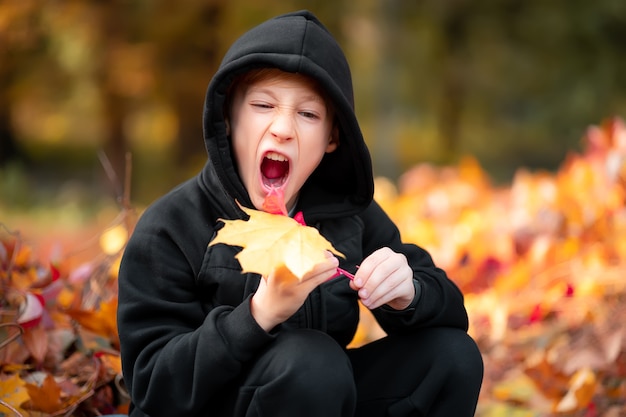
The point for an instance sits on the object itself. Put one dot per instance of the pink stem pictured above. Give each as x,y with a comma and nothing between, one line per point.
346,273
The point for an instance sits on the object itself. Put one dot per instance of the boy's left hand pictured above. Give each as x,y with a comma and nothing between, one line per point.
384,277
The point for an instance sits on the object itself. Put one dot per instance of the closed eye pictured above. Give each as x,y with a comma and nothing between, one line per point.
262,105
309,115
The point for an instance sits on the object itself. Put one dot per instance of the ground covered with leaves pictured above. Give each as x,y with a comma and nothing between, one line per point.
541,262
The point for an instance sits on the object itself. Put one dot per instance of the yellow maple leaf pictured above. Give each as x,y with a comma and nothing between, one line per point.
271,240
12,393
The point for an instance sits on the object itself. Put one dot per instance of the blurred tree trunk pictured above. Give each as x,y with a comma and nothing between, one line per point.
453,82
20,43
384,148
116,144
8,146
113,31
192,67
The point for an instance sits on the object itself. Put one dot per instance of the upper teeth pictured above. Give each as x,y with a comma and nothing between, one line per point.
275,156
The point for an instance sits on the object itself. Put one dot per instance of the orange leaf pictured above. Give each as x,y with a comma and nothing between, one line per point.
102,321
547,377
111,362
47,397
270,240
23,256
582,388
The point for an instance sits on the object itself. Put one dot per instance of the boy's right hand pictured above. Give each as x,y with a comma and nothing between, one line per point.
281,294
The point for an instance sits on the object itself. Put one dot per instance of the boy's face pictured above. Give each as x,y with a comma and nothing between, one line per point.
280,129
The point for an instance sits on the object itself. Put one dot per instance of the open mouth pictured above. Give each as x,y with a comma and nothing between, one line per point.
274,170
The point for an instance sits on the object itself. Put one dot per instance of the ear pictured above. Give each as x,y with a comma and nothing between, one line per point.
333,141
227,123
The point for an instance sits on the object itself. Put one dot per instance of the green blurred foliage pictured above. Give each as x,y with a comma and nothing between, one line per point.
514,83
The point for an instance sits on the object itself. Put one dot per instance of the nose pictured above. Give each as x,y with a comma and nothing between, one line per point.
282,127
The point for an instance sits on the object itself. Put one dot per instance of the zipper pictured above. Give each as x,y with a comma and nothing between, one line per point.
309,319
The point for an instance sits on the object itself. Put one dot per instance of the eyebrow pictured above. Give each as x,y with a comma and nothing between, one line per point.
265,90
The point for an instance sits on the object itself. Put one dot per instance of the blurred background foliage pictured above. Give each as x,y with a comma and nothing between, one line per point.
512,82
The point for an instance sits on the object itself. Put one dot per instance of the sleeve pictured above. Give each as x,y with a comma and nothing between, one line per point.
177,354
438,301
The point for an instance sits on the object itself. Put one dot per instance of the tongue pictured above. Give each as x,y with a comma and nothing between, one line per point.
273,169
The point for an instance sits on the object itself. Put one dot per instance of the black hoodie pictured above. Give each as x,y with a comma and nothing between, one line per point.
185,326
297,42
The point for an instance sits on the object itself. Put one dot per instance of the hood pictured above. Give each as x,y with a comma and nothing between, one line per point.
295,42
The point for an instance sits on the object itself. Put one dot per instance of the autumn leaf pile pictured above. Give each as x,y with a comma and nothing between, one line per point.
542,263
59,349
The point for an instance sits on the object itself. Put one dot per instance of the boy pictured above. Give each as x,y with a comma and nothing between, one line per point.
198,338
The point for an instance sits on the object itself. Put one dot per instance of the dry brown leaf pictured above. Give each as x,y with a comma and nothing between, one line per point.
552,382
36,341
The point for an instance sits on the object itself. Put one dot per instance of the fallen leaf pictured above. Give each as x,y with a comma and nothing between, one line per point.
31,310
102,321
547,377
518,388
13,393
47,397
36,341
111,362
270,240
581,391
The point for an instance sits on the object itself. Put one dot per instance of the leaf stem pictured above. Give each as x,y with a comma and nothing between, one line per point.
345,273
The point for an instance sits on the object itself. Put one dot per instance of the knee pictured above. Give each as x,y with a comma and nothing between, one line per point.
314,361
461,356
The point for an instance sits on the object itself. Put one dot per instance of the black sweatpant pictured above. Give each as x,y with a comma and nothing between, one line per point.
435,372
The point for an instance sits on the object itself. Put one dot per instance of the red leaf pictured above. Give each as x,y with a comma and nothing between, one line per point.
274,202
536,314
54,272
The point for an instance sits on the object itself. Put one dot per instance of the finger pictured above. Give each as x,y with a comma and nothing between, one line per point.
389,273
322,271
381,270
382,288
388,291
369,265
